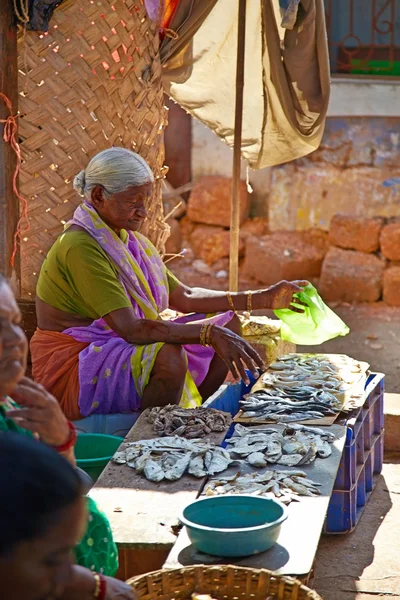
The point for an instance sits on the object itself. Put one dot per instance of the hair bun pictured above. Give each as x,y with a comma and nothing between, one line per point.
80,182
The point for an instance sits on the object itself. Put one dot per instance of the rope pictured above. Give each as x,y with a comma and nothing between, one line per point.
10,137
23,14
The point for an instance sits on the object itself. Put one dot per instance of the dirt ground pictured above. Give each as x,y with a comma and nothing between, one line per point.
364,564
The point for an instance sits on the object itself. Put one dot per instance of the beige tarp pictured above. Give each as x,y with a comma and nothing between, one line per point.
287,82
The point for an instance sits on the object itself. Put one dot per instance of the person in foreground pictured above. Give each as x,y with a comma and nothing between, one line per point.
101,345
42,518
38,415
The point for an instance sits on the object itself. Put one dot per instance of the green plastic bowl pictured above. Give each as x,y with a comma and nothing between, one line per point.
93,451
233,525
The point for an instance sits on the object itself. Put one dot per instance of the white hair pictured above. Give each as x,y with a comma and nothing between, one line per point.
115,170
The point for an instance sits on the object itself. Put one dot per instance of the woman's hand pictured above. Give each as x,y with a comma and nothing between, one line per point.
118,590
281,295
237,353
40,413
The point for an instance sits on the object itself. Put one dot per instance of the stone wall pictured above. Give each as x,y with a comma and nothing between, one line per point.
344,175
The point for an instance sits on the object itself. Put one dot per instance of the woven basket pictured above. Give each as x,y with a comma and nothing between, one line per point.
220,582
93,81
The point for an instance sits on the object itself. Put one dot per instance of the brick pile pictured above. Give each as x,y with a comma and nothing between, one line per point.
363,261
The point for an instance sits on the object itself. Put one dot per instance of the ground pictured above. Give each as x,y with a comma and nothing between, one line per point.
364,565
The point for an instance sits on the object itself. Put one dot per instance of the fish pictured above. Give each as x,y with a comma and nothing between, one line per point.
176,471
119,457
189,423
220,461
257,459
196,466
290,460
153,470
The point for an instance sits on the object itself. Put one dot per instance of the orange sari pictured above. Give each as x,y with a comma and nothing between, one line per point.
55,358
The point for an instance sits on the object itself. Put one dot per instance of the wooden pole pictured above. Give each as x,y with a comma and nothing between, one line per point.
235,207
9,203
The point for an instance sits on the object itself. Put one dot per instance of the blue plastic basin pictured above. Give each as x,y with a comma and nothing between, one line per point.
233,525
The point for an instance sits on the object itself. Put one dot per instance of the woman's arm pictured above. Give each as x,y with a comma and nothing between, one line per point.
236,353
82,587
199,300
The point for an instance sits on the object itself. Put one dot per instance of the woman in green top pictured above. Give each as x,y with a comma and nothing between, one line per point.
102,345
27,409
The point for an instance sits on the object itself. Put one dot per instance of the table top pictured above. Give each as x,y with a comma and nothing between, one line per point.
142,513
295,550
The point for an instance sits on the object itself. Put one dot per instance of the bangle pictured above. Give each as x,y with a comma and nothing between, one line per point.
101,587
249,301
70,443
208,334
203,333
230,302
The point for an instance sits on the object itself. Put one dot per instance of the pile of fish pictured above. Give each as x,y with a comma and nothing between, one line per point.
189,423
294,445
297,387
170,457
284,485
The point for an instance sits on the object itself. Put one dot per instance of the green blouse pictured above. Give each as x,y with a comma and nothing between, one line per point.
97,550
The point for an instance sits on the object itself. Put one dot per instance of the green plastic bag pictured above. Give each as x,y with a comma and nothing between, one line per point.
316,325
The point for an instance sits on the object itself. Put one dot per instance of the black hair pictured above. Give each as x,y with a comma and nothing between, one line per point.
36,484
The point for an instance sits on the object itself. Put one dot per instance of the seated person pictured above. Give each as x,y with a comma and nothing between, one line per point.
42,517
101,346
28,410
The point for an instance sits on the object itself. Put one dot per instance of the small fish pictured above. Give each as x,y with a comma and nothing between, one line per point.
119,457
196,467
153,471
219,462
257,459
178,469
290,460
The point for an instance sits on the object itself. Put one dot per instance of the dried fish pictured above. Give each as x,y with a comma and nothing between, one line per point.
285,485
170,457
189,423
293,445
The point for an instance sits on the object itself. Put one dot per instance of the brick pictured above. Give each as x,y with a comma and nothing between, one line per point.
391,286
212,243
285,255
173,244
256,227
210,201
390,240
187,226
355,233
351,276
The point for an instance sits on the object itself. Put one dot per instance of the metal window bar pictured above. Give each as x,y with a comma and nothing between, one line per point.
364,36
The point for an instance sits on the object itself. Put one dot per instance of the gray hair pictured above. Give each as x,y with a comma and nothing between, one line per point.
115,169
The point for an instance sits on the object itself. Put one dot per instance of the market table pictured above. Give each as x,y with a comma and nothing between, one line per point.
297,545
143,514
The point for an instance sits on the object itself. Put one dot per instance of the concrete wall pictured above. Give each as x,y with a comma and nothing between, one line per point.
360,149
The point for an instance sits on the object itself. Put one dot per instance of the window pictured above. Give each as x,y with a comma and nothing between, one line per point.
364,36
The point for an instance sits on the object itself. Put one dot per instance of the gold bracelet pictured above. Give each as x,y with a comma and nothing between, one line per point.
230,302
98,585
249,301
208,334
203,333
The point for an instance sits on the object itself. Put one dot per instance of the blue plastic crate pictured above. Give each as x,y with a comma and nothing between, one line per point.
347,471
342,511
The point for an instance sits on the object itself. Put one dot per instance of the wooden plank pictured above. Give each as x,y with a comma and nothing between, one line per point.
9,203
295,550
143,514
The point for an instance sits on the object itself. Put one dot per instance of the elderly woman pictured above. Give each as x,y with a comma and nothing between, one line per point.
101,345
27,410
